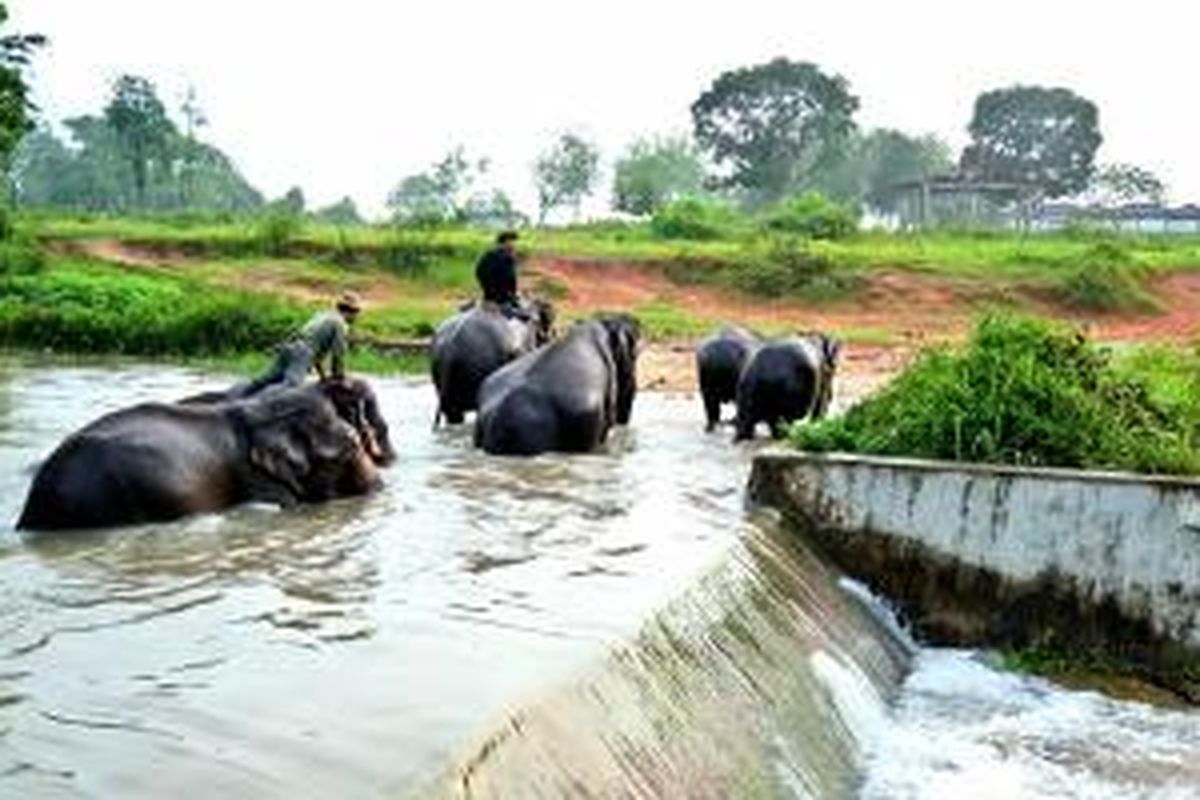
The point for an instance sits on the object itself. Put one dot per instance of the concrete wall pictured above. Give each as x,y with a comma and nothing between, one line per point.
1002,555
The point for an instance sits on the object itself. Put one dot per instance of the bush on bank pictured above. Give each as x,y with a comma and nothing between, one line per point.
1030,393
82,308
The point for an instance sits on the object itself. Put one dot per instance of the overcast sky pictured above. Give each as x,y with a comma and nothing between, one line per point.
347,97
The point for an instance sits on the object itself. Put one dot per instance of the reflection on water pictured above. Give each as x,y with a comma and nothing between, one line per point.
341,649
670,645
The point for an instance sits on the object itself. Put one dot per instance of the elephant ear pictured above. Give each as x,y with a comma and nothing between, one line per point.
831,349
544,316
278,455
623,333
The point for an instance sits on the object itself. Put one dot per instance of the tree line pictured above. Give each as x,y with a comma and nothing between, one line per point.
759,135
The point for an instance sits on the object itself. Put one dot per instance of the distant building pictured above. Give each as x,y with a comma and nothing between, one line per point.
948,201
1132,218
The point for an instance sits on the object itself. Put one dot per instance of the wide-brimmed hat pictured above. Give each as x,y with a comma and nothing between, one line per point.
349,302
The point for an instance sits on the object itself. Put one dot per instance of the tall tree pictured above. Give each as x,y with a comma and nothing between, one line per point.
565,174
1042,137
891,157
92,172
440,193
774,125
492,209
144,132
16,108
653,172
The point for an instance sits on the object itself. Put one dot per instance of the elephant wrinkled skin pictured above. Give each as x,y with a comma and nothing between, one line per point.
161,461
786,380
565,396
473,344
720,359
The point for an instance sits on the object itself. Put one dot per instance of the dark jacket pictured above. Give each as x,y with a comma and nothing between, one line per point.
497,275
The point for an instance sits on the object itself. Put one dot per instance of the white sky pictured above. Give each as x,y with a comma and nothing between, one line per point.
348,97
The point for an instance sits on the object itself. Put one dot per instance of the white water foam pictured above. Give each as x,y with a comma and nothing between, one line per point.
964,729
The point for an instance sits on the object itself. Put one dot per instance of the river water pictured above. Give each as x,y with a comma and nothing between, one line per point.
503,627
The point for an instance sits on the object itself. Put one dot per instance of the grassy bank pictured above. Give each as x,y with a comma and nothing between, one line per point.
413,278
66,305
967,254
1027,392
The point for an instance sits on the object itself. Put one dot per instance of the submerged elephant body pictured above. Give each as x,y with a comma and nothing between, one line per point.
159,461
353,399
473,344
786,380
719,362
563,397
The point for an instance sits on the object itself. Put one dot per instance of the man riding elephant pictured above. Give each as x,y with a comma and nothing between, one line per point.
497,276
324,337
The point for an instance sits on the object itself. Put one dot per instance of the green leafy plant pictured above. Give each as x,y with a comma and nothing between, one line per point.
1020,392
694,218
813,215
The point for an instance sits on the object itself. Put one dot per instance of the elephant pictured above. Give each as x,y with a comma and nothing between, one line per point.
719,362
161,461
565,396
785,380
476,342
352,398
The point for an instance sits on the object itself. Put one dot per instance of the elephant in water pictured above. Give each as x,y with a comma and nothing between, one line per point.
160,461
785,380
564,396
352,398
719,362
476,342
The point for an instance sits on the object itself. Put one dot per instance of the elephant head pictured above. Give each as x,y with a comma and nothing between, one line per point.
828,351
543,321
624,333
299,444
355,402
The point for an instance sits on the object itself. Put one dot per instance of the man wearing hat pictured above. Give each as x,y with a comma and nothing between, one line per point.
326,335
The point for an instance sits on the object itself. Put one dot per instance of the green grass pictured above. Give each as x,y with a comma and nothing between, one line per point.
1026,392
79,306
1004,256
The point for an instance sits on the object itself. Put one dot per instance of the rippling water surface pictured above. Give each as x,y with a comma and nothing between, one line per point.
356,649
333,649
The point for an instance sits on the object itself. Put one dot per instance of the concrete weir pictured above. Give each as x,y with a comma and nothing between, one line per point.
1104,564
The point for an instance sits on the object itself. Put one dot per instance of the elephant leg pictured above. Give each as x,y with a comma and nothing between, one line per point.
454,416
744,427
712,411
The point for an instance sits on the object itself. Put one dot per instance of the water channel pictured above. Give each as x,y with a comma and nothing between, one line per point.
500,627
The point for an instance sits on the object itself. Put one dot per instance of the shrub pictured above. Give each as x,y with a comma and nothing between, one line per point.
92,310
20,257
787,265
813,215
1020,392
276,229
1105,277
410,252
694,218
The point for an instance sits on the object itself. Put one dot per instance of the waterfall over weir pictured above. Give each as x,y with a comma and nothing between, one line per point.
765,679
